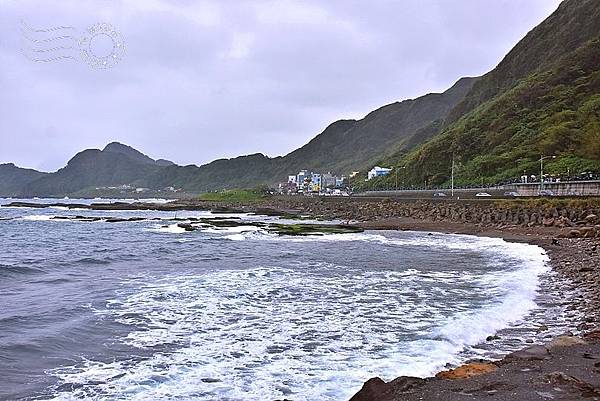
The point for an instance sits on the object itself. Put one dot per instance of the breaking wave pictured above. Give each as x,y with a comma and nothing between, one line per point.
315,331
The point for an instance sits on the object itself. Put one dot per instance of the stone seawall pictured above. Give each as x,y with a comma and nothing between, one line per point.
572,220
567,188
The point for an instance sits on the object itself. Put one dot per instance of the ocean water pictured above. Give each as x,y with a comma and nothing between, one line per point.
146,311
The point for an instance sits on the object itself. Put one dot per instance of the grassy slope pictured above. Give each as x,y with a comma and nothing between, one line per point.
552,113
541,99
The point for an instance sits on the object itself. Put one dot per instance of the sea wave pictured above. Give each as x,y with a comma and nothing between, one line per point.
316,331
11,270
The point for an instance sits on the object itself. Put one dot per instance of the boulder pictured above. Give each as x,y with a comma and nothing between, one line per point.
186,226
548,221
562,379
533,353
591,218
405,384
373,389
376,389
562,222
468,370
565,341
592,335
587,232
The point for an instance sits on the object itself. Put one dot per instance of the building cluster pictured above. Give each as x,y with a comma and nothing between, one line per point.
308,182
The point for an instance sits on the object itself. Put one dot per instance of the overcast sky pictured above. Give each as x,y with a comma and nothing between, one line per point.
202,80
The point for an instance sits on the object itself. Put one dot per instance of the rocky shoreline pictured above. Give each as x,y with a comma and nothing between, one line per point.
567,368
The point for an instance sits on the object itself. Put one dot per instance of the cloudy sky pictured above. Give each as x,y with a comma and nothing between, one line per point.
201,80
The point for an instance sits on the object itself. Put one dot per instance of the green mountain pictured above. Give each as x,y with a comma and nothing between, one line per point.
349,145
13,179
116,165
344,146
135,155
542,99
574,23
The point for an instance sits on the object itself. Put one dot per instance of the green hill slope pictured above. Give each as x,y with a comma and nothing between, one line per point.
343,146
574,23
94,168
550,111
13,179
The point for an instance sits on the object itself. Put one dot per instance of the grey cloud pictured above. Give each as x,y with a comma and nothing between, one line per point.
207,79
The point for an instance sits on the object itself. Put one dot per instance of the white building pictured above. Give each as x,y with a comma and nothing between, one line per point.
378,172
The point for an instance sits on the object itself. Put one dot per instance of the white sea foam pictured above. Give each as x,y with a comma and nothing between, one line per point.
231,230
37,217
167,229
518,290
313,332
59,207
156,200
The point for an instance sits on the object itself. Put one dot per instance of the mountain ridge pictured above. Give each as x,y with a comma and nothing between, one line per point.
572,24
543,96
553,109
334,149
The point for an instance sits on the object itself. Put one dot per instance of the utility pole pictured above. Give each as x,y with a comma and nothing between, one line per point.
398,168
542,157
541,174
452,179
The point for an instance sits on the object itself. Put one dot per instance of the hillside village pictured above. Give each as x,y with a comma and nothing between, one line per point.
306,182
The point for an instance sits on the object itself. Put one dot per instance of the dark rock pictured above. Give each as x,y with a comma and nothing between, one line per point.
561,378
564,341
592,335
376,389
405,384
186,226
535,352
210,380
